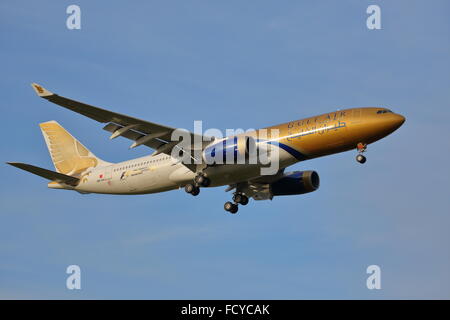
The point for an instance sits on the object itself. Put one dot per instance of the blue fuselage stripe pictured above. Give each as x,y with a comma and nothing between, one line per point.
295,153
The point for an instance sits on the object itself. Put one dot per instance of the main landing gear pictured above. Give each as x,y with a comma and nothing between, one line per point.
238,198
361,147
200,180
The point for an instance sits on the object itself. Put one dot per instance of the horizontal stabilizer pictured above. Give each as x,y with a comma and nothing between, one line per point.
47,174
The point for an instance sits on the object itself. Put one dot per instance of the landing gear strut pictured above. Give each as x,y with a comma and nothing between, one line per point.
238,198
361,147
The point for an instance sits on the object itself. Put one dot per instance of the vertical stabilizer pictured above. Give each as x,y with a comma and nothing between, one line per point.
69,156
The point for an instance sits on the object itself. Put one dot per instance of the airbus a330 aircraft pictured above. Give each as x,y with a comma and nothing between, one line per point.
79,169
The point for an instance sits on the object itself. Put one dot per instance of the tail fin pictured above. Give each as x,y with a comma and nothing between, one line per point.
69,156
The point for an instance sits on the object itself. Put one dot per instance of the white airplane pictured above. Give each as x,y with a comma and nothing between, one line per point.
79,169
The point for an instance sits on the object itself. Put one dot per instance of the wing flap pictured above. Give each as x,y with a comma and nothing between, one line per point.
134,135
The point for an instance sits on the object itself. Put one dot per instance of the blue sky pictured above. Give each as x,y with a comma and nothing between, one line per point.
233,65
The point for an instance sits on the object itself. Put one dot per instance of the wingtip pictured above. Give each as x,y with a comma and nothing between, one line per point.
40,90
14,164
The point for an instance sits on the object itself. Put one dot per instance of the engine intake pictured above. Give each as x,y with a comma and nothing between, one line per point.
297,182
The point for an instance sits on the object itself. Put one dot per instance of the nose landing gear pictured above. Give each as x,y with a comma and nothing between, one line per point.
361,147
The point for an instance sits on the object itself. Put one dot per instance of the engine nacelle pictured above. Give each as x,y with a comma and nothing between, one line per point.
297,182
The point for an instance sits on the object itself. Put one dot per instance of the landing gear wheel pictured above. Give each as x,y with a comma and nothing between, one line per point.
230,207
360,158
196,191
240,198
244,200
203,181
237,198
190,188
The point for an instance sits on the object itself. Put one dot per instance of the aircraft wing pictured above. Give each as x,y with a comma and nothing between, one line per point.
153,135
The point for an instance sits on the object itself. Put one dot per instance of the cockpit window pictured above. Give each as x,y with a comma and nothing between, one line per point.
384,111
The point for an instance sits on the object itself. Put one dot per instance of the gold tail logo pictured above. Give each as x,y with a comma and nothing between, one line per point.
68,155
39,88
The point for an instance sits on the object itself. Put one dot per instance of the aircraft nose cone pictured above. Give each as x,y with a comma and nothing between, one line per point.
398,120
386,123
391,123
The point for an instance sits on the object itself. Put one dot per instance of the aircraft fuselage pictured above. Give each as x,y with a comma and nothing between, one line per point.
298,140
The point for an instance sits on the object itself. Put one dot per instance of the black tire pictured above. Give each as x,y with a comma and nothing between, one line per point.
228,206
240,198
234,209
189,188
237,198
244,200
360,158
196,191
199,179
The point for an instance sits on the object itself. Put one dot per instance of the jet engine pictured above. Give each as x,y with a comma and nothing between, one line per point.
297,182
